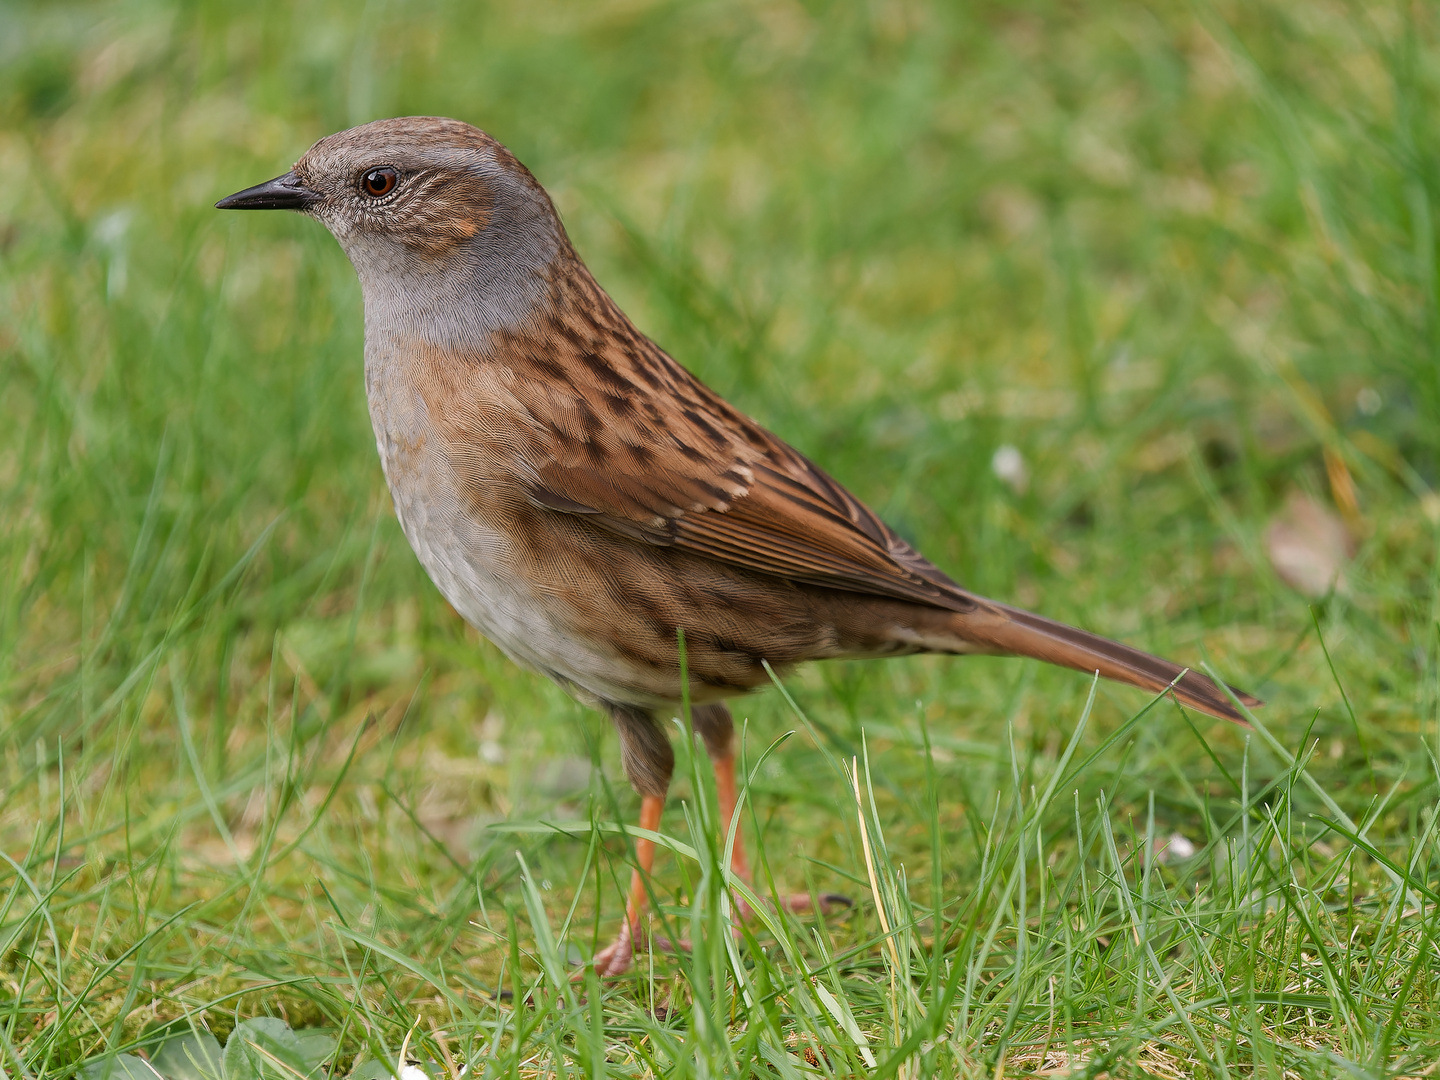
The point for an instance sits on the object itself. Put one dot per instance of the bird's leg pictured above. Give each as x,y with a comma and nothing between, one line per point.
716,727
616,958
649,761
725,787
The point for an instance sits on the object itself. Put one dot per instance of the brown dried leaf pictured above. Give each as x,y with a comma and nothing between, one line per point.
1309,546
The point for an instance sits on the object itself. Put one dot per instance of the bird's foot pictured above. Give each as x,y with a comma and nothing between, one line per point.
795,903
825,903
618,957
615,959
801,904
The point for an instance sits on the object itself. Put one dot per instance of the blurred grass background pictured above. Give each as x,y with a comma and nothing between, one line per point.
1180,258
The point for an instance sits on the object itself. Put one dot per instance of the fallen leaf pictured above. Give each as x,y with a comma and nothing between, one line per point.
1308,546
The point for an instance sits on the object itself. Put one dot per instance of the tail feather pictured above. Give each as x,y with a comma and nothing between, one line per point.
1015,632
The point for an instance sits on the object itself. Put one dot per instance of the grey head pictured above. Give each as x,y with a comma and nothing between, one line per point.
452,238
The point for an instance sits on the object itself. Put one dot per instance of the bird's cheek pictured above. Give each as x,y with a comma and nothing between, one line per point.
439,233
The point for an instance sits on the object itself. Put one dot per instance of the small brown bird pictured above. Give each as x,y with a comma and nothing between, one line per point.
580,498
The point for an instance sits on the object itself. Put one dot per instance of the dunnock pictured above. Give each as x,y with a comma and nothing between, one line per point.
580,498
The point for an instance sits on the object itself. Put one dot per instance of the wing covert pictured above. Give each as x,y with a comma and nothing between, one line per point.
635,444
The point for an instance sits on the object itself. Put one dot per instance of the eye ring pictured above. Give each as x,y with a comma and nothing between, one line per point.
377,183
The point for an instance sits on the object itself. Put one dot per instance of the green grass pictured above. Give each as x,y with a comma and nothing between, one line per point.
254,765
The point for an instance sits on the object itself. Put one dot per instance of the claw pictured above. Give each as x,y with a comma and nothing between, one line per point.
615,959
618,958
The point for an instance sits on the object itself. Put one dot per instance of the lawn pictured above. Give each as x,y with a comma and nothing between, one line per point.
1100,304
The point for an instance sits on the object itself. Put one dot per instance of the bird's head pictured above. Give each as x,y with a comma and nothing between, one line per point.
422,201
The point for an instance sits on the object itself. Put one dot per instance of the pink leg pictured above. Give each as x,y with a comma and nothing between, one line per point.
725,787
616,958
724,764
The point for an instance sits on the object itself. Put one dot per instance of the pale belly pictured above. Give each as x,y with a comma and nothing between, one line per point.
474,565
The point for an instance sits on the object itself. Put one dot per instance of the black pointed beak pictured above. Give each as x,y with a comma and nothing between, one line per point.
283,193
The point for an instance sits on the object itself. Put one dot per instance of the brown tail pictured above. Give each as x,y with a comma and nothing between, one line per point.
1015,632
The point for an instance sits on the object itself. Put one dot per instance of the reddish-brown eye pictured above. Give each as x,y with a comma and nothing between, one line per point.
378,182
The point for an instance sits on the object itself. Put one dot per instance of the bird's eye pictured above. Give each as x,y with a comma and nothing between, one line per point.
379,182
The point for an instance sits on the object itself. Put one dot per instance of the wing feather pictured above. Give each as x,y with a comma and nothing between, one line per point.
635,444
